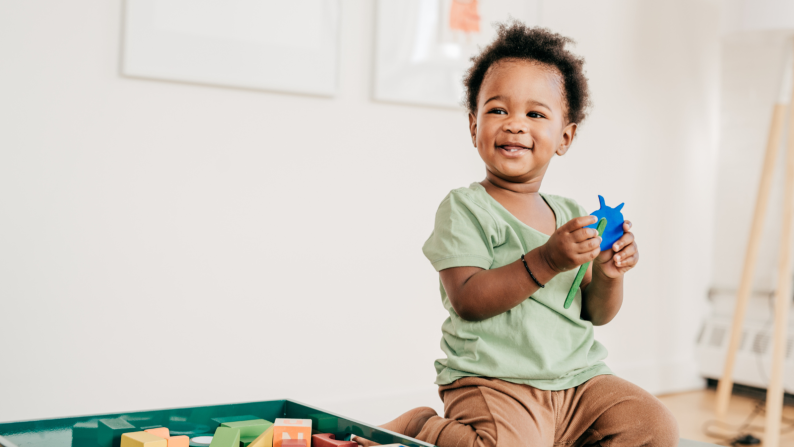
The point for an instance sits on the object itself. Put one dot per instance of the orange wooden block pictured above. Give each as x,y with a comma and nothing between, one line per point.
178,441
159,431
292,429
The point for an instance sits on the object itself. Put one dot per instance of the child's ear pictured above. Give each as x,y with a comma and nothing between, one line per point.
567,138
473,128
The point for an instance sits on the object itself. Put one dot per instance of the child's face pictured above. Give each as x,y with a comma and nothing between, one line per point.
520,122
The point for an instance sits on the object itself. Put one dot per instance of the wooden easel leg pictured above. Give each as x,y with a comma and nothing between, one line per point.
725,385
774,392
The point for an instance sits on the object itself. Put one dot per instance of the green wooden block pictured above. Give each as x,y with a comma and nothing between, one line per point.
225,419
226,437
245,440
109,431
249,428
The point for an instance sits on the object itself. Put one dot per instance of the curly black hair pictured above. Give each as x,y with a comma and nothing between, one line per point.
515,40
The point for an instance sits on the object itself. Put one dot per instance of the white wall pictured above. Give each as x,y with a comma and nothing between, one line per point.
752,69
165,244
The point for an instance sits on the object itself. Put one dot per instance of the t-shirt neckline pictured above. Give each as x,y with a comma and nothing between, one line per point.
500,206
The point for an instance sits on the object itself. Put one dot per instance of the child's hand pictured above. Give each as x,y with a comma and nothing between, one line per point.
572,245
621,258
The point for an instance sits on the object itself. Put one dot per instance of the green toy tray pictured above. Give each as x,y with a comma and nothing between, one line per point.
193,421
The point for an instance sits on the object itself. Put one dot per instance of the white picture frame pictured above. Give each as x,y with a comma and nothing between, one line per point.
420,60
285,46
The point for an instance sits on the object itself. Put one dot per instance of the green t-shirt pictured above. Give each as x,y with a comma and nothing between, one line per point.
538,342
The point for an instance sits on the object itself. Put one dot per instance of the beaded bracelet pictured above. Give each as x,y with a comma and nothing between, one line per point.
530,273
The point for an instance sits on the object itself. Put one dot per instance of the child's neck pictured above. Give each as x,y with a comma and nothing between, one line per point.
523,201
499,186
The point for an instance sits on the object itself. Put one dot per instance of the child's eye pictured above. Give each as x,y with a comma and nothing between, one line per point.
534,115
498,112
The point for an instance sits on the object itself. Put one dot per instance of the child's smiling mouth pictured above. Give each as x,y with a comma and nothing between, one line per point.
513,150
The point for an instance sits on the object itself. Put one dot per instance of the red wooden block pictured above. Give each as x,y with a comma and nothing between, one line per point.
293,443
329,440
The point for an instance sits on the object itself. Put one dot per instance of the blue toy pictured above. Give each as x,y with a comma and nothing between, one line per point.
610,228
614,229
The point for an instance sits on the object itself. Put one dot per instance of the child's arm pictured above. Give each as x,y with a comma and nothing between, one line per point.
477,294
602,287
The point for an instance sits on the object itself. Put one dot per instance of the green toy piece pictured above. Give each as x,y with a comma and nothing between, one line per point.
583,269
249,428
226,437
222,420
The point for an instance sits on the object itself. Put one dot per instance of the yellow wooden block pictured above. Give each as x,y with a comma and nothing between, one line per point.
265,439
142,439
292,429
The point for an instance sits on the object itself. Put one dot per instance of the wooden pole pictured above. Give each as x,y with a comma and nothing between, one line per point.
725,385
774,392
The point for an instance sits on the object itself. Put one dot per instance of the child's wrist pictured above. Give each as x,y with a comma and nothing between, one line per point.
539,263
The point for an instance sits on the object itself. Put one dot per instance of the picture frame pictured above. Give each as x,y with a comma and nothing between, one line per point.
424,47
255,44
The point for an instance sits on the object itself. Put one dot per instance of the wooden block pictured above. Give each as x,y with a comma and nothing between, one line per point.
226,437
245,441
329,440
159,431
178,441
324,423
109,431
264,440
142,439
295,429
222,420
85,430
252,428
293,443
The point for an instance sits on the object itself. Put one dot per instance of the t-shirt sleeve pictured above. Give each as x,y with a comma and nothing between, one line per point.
463,235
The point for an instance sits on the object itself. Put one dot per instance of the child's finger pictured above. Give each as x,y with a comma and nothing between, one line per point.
627,225
589,255
627,263
578,222
624,241
583,234
625,255
589,245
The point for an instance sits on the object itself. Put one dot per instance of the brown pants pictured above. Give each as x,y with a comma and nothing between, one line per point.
605,411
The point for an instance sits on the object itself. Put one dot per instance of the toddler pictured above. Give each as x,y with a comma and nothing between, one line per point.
521,370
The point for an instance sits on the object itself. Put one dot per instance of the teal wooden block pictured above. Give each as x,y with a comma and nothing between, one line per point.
84,434
249,428
143,422
85,430
226,437
109,431
222,420
324,423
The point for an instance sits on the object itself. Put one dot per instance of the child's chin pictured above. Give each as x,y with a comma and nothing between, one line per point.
513,175
512,170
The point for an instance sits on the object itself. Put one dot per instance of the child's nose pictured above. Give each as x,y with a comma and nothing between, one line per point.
516,125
